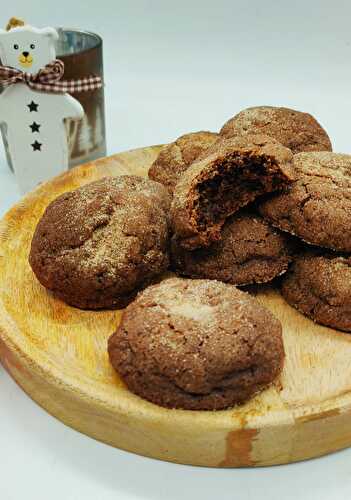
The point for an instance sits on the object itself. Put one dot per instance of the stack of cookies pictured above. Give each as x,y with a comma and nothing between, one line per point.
302,221
265,197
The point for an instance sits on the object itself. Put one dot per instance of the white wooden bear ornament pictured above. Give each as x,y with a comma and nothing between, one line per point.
34,104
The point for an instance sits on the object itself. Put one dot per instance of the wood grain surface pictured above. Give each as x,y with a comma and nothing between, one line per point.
57,354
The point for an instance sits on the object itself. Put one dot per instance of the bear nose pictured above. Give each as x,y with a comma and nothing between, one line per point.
26,54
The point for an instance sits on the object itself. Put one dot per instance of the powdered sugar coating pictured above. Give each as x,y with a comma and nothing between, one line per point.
250,251
296,130
175,158
317,206
97,245
319,285
196,344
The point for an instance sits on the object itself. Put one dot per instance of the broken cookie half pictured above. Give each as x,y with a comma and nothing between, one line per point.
232,173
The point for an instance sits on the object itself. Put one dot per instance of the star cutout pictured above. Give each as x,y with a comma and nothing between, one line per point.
36,146
33,106
35,127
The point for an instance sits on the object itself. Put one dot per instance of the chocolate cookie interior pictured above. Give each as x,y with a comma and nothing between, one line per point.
234,181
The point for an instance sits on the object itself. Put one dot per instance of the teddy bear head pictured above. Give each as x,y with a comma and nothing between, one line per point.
27,48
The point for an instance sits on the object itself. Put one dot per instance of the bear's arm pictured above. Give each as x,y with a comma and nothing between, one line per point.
4,108
71,108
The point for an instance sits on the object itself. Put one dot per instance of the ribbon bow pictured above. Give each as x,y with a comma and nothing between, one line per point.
48,79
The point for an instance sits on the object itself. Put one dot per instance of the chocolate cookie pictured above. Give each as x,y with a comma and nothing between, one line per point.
197,345
250,251
95,247
176,157
231,174
319,285
296,130
317,206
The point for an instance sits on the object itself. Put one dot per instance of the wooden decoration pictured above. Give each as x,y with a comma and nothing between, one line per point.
57,354
34,120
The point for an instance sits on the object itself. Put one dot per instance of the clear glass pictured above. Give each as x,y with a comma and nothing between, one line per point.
82,54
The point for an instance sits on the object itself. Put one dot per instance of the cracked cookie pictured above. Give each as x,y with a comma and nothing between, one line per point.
296,130
176,157
95,247
196,345
317,206
319,286
250,251
232,174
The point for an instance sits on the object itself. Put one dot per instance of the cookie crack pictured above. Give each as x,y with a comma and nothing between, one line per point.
314,175
318,297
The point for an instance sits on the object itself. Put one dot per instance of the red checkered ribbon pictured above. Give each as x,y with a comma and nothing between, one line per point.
48,79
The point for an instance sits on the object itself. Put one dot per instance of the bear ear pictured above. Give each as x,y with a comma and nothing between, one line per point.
49,32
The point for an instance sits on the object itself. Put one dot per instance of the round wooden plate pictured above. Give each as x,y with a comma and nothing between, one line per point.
57,354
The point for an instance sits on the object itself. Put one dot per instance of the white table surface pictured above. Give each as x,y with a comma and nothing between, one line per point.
173,67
